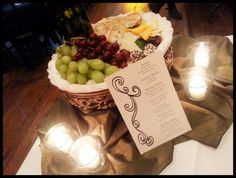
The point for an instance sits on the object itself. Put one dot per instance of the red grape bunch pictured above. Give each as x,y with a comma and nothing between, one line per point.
97,47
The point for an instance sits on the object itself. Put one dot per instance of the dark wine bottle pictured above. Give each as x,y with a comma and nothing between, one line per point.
71,19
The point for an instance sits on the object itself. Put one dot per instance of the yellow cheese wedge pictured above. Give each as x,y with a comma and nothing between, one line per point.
155,33
146,34
138,29
143,30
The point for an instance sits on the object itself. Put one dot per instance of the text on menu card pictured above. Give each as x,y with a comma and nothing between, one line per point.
147,100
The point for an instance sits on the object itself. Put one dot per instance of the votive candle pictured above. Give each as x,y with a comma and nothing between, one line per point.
197,88
86,152
58,137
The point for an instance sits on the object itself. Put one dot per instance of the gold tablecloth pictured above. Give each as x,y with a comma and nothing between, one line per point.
209,120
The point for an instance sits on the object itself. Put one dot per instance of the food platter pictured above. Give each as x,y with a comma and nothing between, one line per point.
127,38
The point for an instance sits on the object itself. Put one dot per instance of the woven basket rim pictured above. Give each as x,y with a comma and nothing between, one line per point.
105,91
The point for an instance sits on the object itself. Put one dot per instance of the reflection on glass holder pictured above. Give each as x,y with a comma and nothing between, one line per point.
87,154
197,83
59,138
201,54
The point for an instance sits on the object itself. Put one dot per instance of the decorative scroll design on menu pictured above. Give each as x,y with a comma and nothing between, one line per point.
117,84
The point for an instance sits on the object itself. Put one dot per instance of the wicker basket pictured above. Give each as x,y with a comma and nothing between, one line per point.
101,100
98,97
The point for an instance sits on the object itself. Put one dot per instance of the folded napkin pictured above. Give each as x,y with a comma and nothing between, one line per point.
209,120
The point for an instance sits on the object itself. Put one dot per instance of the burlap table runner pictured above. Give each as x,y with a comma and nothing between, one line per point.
209,120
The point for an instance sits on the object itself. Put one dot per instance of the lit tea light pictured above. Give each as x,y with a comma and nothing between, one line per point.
197,82
197,88
58,137
86,152
201,57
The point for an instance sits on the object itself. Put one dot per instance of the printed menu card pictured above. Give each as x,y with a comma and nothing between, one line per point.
147,100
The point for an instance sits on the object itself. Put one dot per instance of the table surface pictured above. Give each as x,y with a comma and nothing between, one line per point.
189,158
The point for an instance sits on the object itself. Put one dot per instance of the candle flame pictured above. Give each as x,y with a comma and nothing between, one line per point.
197,81
86,152
197,88
58,137
201,57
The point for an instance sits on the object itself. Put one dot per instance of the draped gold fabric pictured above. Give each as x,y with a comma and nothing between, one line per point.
209,120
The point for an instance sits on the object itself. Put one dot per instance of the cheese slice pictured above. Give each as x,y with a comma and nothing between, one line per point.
146,33
127,41
138,29
155,33
156,26
154,23
144,30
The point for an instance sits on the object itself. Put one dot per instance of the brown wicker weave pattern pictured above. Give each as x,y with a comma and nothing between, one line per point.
88,102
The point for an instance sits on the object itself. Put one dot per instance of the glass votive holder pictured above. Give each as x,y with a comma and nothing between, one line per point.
197,83
201,54
87,154
60,137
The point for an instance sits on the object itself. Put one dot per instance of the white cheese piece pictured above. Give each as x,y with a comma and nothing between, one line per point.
127,41
152,20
